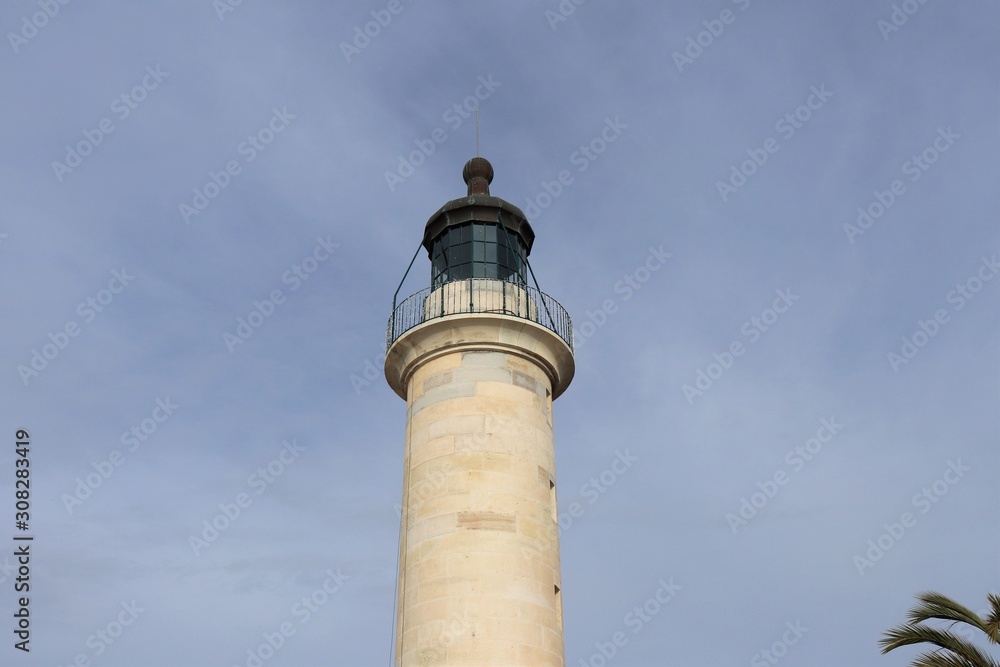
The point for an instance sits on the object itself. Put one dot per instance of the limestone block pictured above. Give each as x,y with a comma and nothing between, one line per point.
484,359
457,425
437,446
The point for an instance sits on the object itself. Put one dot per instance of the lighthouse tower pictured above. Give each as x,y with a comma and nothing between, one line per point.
479,356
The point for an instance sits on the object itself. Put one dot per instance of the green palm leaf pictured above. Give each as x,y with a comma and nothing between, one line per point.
905,635
936,659
935,605
993,619
952,650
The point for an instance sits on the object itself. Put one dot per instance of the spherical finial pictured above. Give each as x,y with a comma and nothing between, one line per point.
478,174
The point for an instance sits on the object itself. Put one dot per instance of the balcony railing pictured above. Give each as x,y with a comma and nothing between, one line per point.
479,295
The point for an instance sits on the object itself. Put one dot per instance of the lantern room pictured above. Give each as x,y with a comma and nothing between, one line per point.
478,236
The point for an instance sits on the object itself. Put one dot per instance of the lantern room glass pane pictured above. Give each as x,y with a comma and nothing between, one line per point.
477,250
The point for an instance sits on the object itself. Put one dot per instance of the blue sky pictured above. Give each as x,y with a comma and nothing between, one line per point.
171,168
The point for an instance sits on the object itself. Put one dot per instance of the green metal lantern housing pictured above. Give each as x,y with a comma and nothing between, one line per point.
478,236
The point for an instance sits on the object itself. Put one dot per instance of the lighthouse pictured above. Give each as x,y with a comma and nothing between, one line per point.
479,356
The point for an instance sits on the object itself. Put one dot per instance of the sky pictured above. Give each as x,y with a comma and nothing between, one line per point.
774,226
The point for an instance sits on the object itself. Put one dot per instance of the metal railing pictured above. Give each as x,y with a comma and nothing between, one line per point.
479,295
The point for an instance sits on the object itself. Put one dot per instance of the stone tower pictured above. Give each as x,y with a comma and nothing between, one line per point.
479,357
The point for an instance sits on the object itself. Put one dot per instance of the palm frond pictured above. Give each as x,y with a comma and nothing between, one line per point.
941,659
993,618
935,605
910,633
